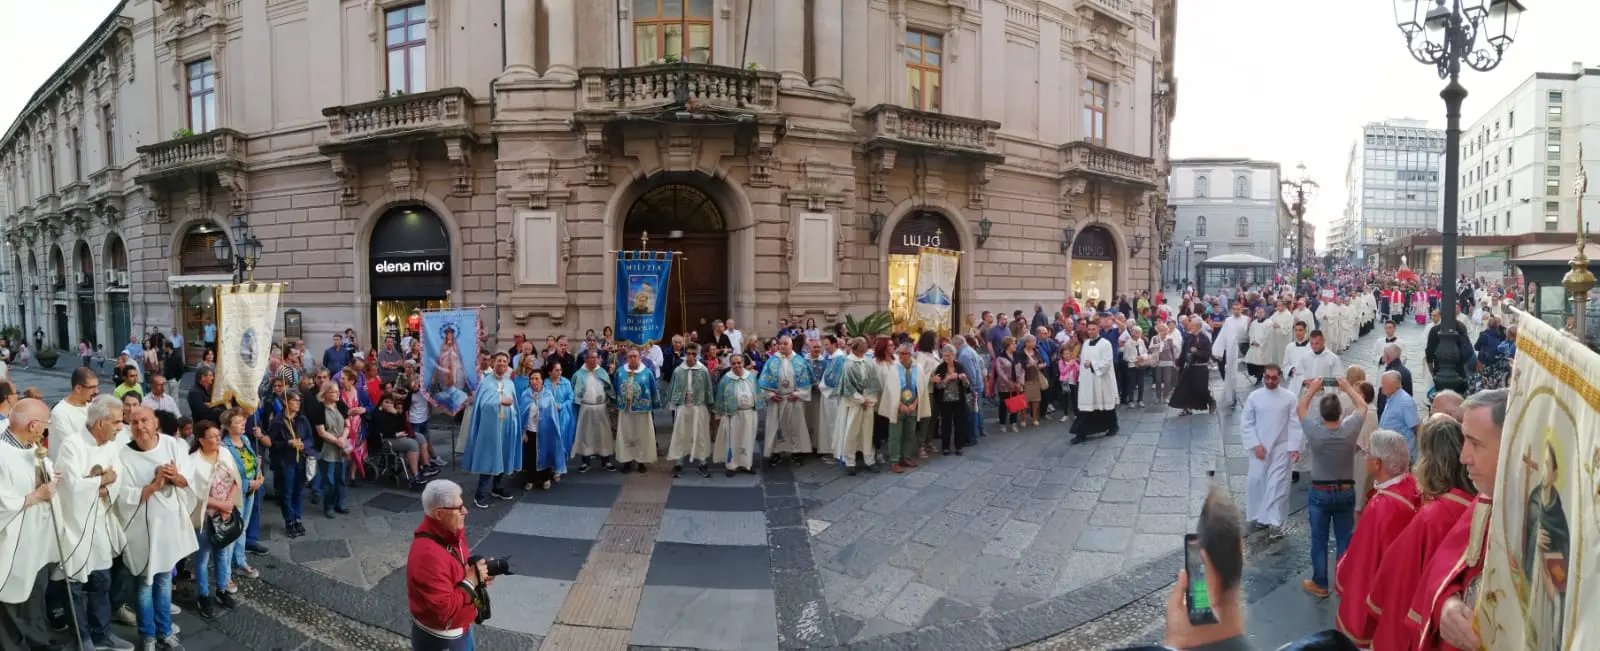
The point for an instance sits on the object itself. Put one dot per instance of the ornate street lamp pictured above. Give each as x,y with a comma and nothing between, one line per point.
240,249
984,226
1445,34
1297,192
1066,239
1188,253
875,226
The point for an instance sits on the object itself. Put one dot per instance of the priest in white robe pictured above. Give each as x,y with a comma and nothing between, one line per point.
153,506
1271,442
785,383
1225,349
817,361
858,394
28,529
1316,361
1295,359
1259,334
1097,388
738,400
592,390
1302,314
692,396
1282,321
88,479
834,359
637,400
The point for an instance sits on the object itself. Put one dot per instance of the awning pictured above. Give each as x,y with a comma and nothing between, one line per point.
198,280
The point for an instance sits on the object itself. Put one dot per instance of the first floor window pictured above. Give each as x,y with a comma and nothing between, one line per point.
1096,99
202,96
659,26
925,70
406,48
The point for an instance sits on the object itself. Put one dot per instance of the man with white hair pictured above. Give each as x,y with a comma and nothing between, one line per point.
441,589
27,528
1394,503
88,469
785,382
1399,411
904,384
859,389
1272,442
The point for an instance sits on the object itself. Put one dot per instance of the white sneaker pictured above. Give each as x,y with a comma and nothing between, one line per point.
176,611
1064,419
125,616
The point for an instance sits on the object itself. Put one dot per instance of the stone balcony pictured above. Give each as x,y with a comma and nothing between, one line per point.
901,128
690,86
1091,162
74,196
1121,11
106,182
213,151
434,114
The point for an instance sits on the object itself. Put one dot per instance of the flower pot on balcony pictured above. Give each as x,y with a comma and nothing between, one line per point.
47,357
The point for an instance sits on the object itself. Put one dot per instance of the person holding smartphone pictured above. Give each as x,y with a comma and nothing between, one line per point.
1205,610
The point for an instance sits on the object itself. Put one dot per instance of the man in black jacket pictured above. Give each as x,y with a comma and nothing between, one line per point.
200,398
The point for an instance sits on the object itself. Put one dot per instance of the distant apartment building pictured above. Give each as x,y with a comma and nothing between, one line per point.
1222,206
1393,176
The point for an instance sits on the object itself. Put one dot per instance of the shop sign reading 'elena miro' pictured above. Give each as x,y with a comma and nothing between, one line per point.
411,266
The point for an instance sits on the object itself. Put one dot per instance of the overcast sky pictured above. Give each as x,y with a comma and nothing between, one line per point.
1284,80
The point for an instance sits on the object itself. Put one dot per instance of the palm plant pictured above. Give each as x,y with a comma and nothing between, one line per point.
872,325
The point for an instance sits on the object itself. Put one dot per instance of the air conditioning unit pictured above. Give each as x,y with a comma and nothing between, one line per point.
122,279
111,277
77,278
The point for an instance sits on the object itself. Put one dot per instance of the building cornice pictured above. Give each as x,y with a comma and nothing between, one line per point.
108,29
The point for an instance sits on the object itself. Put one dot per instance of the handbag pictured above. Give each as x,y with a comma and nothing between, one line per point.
1016,403
223,531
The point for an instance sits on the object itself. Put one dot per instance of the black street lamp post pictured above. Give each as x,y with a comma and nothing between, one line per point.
1297,193
1446,34
239,248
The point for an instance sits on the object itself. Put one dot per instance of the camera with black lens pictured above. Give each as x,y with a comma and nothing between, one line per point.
494,567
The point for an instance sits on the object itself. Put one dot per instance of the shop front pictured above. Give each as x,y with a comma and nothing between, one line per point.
1094,266
194,287
83,285
117,304
408,270
922,228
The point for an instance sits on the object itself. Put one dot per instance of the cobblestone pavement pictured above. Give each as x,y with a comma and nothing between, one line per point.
1025,542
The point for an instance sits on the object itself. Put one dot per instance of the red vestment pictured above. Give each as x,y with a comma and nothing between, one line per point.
1451,567
1401,569
1386,515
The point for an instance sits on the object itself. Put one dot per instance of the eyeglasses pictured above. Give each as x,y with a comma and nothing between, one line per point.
462,507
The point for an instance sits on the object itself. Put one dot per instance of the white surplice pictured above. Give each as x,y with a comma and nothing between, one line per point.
736,437
1225,350
1282,322
828,420
858,397
1269,422
1097,383
785,416
1295,356
1260,337
594,436
160,531
691,424
86,517
28,536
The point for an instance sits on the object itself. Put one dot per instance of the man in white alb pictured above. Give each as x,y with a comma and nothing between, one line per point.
88,479
27,529
1272,446
592,391
1225,348
785,382
70,416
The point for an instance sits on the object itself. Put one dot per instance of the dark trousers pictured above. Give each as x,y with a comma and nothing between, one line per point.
953,428
1069,399
92,598
485,483
288,479
1222,366
26,626
1006,417
1255,371
1124,384
880,431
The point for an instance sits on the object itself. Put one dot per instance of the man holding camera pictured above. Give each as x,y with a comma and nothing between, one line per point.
445,587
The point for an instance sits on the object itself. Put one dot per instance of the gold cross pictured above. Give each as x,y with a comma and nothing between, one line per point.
1582,183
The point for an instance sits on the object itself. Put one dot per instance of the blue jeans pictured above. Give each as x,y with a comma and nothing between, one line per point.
1338,507
291,482
252,528
203,558
155,605
92,598
330,476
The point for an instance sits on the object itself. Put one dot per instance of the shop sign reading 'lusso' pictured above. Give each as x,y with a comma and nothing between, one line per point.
411,267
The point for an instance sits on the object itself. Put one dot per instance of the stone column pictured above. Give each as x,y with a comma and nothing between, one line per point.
563,33
827,21
519,40
789,29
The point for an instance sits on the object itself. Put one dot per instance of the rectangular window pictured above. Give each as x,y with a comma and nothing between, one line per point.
406,48
1552,170
1552,188
1552,152
925,70
659,26
1508,188
77,155
1510,153
1495,196
50,168
202,96
108,127
1511,120
1552,222
1555,97
1096,95
1552,207
1554,113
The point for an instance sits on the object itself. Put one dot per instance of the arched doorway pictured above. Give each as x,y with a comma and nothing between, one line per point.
918,229
117,291
682,217
409,270
1094,265
197,304
35,287
83,285
62,335
23,293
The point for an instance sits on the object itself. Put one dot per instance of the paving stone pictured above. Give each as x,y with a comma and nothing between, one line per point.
1008,499
626,539
1035,510
913,602
848,530
305,551
922,478
1029,478
1089,483
1151,545
832,490
551,521
1130,470
988,521
1060,533
713,527
946,610
600,606
582,638
1012,539
889,500
1080,500
840,507
1123,491
929,500
878,483
982,579
1137,454
869,599
634,513
1011,469
970,502
896,528
1035,574
1168,484
836,585
939,529
1165,505
394,503
620,570
531,603
721,567
1104,539
992,482
1164,523
947,565
1062,475
714,620
957,480
1084,568
859,559
1114,515
912,556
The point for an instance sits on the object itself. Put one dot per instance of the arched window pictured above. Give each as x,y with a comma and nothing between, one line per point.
1202,187
1243,229
1241,187
1200,226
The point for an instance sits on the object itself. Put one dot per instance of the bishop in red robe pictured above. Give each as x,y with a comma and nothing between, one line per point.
1402,566
1392,506
1455,564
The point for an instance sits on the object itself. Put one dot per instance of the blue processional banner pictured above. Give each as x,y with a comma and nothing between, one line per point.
642,295
448,341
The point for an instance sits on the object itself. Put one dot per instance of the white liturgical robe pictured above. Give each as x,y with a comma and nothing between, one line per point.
28,534
1269,422
1097,383
86,517
160,531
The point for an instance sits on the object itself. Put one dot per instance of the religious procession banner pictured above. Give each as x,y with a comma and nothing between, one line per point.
246,316
447,346
1542,564
641,300
935,287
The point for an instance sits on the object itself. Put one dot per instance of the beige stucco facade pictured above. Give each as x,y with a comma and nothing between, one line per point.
531,145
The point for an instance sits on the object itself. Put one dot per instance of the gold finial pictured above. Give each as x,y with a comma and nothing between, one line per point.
644,241
40,452
1579,281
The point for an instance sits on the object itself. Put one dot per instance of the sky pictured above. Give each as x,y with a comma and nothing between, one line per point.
1290,81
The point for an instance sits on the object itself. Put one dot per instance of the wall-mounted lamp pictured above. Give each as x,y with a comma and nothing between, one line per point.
1066,238
1136,245
983,231
875,226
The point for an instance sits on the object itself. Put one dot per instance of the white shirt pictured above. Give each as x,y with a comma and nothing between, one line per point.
164,402
1392,481
736,338
67,419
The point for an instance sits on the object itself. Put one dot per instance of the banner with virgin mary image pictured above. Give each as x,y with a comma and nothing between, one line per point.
936,285
449,353
1541,570
642,295
246,316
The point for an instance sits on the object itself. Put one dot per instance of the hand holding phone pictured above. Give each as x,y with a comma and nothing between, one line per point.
1196,596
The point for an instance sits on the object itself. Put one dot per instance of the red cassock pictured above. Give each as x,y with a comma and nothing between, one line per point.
1388,512
1401,569
1448,573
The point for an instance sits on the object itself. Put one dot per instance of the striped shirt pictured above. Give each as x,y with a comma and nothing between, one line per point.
10,439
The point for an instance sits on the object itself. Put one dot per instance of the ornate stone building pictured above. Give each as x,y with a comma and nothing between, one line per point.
395,154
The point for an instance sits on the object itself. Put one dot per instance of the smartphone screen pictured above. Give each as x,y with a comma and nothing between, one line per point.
1198,598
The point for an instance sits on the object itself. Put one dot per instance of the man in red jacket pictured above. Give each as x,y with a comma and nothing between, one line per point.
441,589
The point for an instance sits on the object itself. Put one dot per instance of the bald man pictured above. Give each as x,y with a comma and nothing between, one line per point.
23,621
1447,402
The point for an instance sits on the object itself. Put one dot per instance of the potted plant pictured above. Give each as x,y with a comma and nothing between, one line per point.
47,357
872,325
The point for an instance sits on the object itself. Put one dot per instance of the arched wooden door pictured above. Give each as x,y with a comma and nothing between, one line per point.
681,217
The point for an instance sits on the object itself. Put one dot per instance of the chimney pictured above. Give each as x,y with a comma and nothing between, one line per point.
1577,67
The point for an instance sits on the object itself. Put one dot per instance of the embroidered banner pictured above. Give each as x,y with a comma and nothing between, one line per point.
642,295
1542,567
935,288
246,316
449,353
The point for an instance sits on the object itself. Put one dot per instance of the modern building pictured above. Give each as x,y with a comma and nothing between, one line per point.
797,153
1520,160
1222,206
1393,176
